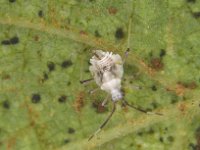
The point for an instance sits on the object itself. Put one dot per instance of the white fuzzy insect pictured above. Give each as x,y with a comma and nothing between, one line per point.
107,71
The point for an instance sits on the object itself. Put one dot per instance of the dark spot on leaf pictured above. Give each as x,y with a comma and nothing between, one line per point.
196,15
112,10
6,77
140,133
119,34
97,33
14,40
170,138
161,139
45,76
36,38
40,13
12,1
173,101
51,66
68,83
5,42
154,88
66,64
151,131
66,141
193,146
6,104
35,98
191,1
191,85
162,52
154,104
150,54
62,98
156,63
71,130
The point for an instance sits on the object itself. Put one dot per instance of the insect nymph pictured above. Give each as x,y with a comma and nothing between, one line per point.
107,71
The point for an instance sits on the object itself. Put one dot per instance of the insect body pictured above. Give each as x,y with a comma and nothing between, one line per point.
107,70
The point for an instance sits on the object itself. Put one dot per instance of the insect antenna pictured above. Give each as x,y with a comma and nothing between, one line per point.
105,122
140,109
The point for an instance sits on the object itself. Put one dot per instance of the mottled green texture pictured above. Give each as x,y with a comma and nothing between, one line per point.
35,33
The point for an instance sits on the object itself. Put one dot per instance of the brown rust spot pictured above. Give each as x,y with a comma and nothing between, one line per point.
36,38
156,64
182,87
182,107
6,77
112,10
79,101
11,143
83,32
99,108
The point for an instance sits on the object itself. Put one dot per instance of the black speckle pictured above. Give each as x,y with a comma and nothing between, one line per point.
66,64
40,13
150,131
119,34
71,130
51,66
161,139
191,1
196,15
193,146
35,98
162,52
174,100
6,104
154,104
140,133
5,42
154,88
62,98
45,75
97,33
170,138
14,40
66,141
12,1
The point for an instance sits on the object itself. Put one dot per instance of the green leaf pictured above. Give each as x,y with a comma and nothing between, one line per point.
44,53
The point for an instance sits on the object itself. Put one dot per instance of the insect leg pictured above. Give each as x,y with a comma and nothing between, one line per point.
86,81
126,55
140,109
93,90
105,100
105,122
